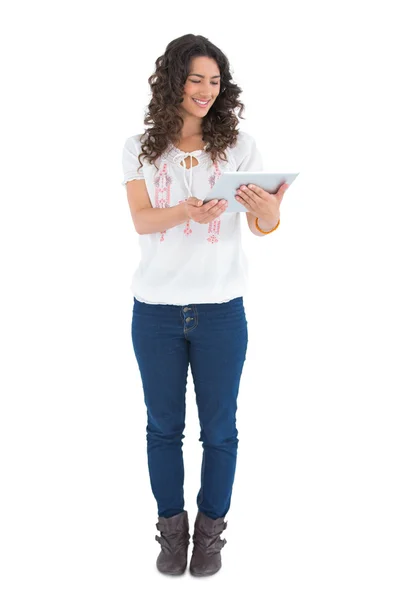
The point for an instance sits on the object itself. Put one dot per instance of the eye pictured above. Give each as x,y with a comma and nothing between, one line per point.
213,82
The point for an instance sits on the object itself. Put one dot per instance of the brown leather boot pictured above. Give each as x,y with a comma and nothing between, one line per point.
207,545
174,541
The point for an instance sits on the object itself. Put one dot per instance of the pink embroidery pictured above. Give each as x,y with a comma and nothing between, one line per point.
187,230
162,183
215,224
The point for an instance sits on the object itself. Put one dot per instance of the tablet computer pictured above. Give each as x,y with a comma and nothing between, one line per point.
227,184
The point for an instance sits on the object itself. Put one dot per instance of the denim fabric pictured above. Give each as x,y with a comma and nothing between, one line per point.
212,338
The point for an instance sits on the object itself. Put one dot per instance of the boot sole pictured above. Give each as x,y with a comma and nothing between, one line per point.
203,574
173,573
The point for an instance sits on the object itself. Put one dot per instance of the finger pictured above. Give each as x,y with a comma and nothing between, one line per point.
222,204
221,209
213,215
193,201
256,190
282,190
256,193
209,205
248,193
241,198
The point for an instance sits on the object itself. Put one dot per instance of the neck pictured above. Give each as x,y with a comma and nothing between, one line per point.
191,127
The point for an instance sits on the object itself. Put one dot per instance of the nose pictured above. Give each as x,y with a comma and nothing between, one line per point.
206,91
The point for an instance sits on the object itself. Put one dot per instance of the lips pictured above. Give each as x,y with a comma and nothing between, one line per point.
202,105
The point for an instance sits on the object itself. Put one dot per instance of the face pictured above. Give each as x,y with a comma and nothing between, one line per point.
203,83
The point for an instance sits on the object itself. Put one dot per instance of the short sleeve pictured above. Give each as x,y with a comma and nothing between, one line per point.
130,162
251,159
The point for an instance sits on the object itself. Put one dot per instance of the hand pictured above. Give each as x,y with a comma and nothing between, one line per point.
204,213
260,203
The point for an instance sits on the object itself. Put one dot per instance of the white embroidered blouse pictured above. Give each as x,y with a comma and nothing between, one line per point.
191,263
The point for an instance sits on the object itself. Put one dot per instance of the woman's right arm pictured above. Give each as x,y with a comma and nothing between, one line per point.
148,219
145,217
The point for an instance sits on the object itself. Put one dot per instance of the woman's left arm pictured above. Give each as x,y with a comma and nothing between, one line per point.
261,204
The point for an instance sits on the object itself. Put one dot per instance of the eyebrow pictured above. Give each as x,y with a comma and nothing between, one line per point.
198,75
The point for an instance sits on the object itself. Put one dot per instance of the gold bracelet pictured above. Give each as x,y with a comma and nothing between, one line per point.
271,230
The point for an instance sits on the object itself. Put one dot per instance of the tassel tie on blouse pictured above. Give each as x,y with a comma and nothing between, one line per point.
180,158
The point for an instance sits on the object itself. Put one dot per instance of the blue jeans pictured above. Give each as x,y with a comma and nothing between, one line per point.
213,339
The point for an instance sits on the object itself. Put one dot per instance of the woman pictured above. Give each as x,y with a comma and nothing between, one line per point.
188,288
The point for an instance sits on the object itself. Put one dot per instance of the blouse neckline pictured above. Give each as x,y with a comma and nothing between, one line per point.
172,152
186,151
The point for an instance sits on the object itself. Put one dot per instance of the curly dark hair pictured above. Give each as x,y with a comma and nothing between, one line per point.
167,84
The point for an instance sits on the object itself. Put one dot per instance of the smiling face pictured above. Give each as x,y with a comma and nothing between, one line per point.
203,83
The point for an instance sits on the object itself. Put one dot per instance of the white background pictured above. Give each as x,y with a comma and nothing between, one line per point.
315,505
